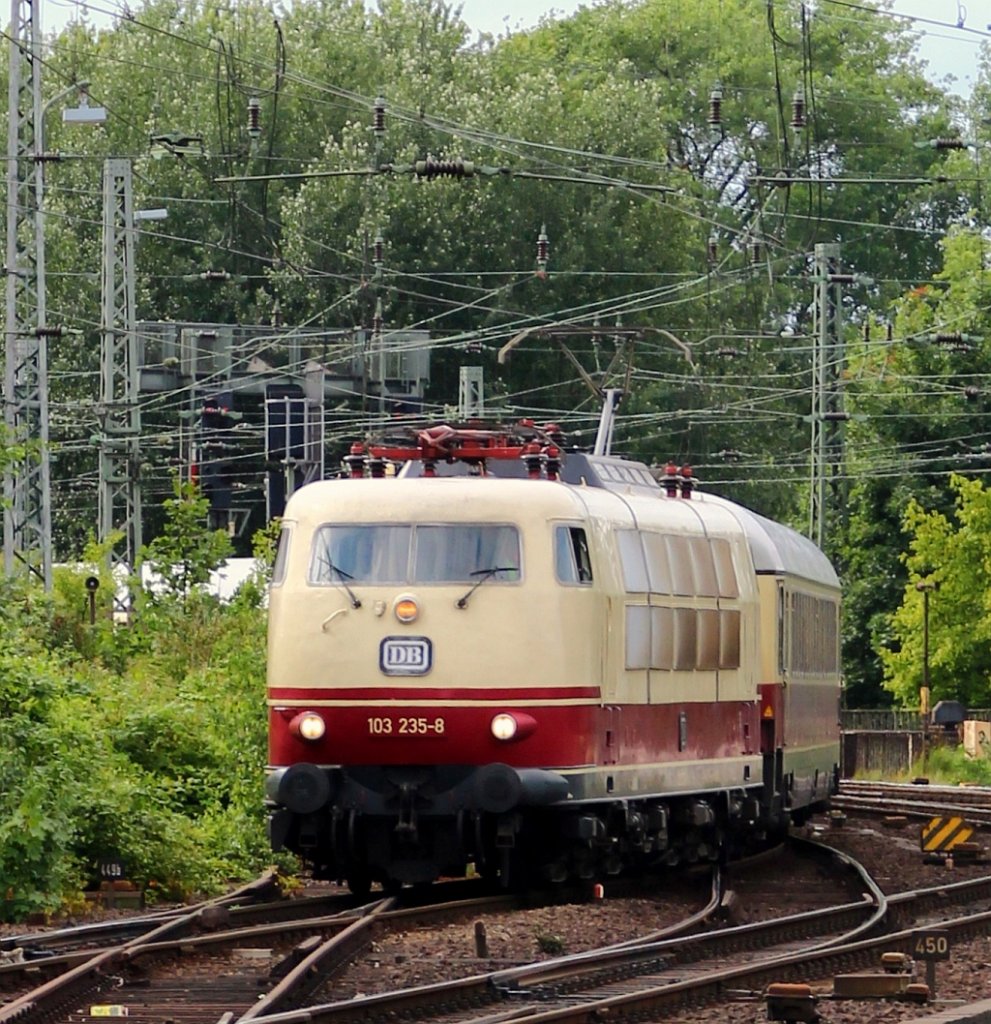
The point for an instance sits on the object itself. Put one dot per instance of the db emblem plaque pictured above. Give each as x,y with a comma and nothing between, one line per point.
405,656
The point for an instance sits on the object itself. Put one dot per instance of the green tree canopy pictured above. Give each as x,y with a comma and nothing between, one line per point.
950,555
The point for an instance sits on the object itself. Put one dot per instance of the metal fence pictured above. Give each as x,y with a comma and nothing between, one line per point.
893,720
881,720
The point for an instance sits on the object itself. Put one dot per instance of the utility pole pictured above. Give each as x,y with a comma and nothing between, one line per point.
120,414
27,518
828,414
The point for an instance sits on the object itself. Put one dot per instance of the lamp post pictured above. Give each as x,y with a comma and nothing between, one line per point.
925,587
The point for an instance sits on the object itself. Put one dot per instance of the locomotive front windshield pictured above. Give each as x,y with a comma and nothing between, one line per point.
406,554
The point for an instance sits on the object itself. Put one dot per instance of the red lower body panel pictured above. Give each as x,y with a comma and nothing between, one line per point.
411,729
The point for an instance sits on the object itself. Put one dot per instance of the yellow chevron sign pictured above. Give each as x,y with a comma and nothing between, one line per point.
942,834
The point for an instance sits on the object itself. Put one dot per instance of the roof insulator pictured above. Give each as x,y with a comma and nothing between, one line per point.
254,117
715,118
431,168
543,251
617,339
798,110
712,248
378,116
378,252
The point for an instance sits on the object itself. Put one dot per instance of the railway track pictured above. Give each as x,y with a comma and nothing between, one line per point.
659,976
174,972
914,800
589,982
150,967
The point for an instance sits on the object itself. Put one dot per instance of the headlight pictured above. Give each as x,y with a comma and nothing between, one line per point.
516,725
308,726
504,726
406,609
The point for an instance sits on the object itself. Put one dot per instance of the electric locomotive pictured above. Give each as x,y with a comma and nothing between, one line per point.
540,663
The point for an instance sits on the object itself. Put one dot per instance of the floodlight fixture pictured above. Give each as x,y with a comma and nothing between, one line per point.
84,113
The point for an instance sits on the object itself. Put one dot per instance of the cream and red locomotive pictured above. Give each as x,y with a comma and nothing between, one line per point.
543,664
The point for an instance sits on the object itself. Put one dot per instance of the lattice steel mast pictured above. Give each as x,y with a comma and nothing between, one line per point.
120,413
27,520
828,414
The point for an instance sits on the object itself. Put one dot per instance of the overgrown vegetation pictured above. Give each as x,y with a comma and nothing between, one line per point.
141,742
942,766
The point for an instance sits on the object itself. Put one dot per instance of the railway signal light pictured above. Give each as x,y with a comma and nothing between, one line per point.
216,469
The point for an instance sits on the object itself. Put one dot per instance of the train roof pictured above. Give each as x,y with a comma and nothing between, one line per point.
607,471
776,548
469,452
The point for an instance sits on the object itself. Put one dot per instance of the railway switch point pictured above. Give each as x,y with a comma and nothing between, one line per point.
728,905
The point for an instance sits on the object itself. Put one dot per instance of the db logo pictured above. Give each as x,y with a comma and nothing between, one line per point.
405,656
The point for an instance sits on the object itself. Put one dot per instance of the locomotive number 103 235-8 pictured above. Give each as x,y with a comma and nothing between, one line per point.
406,726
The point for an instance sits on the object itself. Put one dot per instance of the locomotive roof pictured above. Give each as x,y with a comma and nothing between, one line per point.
606,471
775,548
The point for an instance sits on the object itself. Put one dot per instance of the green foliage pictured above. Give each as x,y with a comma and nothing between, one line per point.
918,410
950,766
953,556
184,554
552,944
143,742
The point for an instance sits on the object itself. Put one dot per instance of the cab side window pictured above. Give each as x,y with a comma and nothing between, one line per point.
281,557
571,556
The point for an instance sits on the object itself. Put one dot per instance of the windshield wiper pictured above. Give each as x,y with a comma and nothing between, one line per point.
344,577
484,574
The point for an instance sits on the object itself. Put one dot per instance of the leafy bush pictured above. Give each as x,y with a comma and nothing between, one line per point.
143,742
